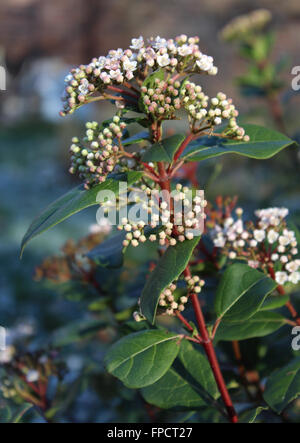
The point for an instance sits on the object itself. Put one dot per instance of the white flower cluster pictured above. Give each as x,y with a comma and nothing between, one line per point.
120,66
245,24
170,226
101,155
266,244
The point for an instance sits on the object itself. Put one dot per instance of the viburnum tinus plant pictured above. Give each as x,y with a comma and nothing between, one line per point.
169,351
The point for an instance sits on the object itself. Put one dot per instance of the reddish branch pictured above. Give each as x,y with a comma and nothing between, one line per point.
183,145
206,340
211,355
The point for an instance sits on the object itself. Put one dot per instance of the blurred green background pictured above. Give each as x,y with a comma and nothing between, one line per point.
39,41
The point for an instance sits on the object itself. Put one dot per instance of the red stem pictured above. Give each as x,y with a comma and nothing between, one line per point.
122,91
204,336
183,145
211,355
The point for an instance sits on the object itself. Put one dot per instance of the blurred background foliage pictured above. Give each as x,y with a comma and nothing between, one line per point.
39,41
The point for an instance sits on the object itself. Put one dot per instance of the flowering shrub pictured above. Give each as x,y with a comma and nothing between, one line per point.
170,331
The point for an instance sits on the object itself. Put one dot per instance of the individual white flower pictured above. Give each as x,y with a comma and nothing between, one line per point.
6,356
205,63
259,235
163,60
159,43
281,277
137,316
292,266
272,236
274,257
219,242
232,255
284,241
253,264
32,376
137,43
253,243
129,65
185,50
284,259
294,277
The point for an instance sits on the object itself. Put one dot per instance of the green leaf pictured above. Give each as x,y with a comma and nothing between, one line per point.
260,325
73,202
76,332
251,415
142,358
188,384
109,254
169,268
141,136
283,386
164,150
22,410
263,144
274,302
241,292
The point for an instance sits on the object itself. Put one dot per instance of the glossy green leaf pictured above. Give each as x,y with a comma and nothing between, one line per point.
274,302
241,292
188,384
164,150
73,202
77,331
264,143
260,325
251,415
283,386
142,358
169,268
141,136
22,411
109,254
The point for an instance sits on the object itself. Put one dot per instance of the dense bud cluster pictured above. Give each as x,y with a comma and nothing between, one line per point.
194,101
194,284
246,24
170,226
162,100
121,66
99,154
222,109
170,302
267,244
